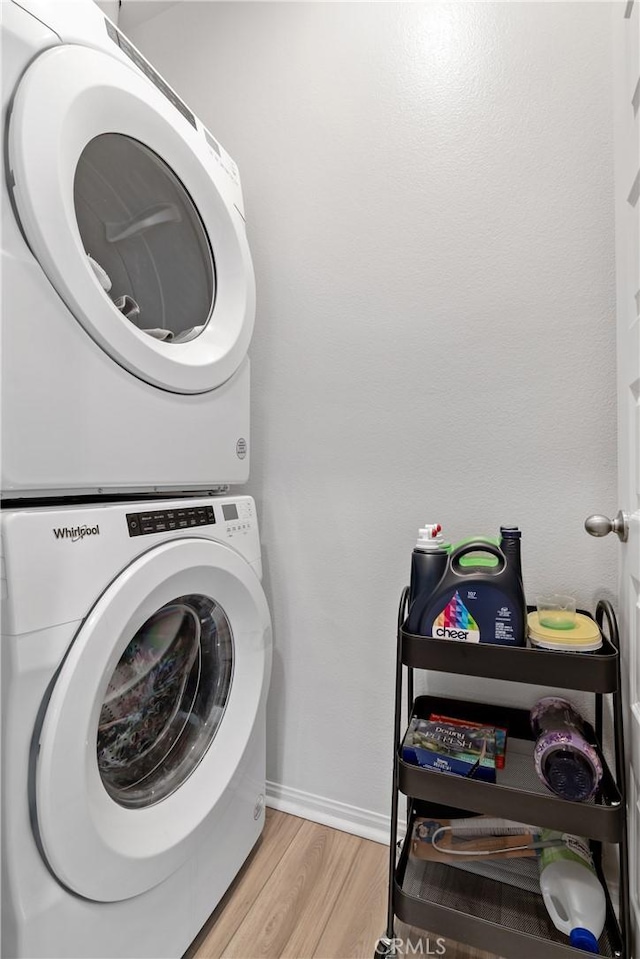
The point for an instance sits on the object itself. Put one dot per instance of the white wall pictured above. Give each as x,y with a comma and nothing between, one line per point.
110,8
429,199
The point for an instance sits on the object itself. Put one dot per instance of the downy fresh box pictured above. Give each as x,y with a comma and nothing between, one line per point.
451,748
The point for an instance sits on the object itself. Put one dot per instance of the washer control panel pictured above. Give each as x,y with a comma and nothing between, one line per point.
164,520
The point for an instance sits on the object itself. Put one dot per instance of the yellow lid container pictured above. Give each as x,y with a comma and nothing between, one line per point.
585,637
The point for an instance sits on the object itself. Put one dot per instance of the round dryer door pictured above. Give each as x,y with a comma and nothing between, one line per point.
126,206
153,708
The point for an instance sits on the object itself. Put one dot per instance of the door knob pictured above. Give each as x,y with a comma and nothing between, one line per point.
601,525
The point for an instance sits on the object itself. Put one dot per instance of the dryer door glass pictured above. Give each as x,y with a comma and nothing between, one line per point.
165,701
144,238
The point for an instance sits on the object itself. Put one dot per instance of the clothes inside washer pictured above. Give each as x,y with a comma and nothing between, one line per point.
145,691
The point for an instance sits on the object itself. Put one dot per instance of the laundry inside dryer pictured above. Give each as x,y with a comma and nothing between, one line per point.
145,240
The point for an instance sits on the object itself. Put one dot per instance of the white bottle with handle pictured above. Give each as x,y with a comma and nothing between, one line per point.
571,890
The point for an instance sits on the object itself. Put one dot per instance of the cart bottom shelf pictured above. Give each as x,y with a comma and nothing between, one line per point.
485,913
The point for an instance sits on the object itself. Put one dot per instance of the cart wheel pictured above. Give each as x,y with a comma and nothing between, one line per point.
385,948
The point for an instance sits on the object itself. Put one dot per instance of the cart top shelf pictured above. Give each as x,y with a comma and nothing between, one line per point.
593,672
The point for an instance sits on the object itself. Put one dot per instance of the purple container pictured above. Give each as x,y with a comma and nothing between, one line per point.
564,759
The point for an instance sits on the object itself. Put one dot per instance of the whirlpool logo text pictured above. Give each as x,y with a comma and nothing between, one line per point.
75,533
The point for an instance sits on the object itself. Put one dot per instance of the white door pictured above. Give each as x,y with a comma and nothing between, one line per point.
124,206
149,718
627,184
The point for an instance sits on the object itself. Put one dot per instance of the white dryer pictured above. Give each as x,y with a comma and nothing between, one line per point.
128,288
136,655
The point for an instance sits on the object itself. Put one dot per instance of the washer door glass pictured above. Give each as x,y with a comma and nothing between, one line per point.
144,238
165,701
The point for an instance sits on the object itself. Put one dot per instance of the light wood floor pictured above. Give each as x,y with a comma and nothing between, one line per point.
307,892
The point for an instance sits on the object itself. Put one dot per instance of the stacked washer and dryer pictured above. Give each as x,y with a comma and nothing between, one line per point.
136,637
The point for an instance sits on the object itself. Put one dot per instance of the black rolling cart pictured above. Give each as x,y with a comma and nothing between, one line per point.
474,908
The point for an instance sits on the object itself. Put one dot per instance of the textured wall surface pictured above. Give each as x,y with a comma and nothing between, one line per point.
429,204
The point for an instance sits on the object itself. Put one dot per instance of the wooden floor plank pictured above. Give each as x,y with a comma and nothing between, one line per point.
339,855
303,889
280,831
418,943
310,892
359,916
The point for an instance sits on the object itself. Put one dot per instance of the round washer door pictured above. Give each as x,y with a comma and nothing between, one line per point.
152,710
129,214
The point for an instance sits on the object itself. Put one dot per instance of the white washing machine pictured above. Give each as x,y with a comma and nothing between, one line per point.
133,722
128,289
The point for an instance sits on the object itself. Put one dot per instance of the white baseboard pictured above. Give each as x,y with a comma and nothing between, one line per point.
329,812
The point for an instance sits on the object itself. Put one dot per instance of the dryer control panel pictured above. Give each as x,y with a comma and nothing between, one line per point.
164,520
238,517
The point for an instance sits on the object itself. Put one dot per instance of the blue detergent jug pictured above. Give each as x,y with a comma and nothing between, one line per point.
475,602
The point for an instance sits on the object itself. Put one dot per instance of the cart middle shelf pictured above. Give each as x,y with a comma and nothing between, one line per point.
518,794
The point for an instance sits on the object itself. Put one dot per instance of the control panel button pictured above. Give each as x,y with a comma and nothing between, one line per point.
133,523
161,521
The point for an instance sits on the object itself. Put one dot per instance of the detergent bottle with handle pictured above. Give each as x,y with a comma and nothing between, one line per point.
571,890
479,599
